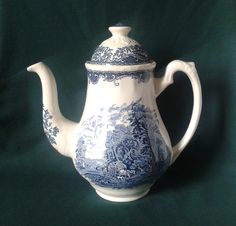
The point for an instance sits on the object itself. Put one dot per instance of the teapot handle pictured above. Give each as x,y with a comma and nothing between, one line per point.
161,83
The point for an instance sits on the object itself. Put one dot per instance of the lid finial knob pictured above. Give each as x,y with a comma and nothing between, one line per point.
120,30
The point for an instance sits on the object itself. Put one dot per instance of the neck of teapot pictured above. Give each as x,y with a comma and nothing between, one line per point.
114,73
106,88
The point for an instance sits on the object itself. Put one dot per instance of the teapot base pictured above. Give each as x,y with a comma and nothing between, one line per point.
122,195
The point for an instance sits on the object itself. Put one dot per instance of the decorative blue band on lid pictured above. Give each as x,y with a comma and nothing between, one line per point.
120,49
128,55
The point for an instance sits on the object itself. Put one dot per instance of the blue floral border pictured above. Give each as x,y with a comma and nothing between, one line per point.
140,76
128,55
50,130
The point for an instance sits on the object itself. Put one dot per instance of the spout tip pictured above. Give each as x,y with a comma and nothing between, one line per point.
33,67
29,69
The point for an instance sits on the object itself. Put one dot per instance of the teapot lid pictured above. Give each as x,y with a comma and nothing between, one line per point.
119,50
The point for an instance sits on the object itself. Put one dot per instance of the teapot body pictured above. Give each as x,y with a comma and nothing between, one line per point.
122,145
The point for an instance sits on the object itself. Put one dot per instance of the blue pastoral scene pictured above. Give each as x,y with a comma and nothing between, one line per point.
122,147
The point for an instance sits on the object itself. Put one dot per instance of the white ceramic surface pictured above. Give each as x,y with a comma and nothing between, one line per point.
120,145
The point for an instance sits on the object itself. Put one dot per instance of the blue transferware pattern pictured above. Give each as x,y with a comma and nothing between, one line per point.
50,130
134,150
128,55
140,76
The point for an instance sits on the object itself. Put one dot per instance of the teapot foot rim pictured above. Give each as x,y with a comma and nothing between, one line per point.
122,195
122,199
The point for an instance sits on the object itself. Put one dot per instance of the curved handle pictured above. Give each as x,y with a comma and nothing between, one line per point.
161,83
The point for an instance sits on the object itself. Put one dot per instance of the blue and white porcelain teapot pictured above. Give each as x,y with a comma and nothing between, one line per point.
120,146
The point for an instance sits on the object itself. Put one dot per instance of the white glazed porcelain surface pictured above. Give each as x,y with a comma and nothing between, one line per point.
121,145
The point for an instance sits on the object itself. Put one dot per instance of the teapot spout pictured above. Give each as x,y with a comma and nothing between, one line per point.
59,130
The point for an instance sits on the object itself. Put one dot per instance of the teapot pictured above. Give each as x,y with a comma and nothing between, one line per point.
120,146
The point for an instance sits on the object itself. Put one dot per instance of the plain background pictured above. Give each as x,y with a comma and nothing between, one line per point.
40,187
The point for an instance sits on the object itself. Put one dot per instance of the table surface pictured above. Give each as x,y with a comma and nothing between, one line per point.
40,187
